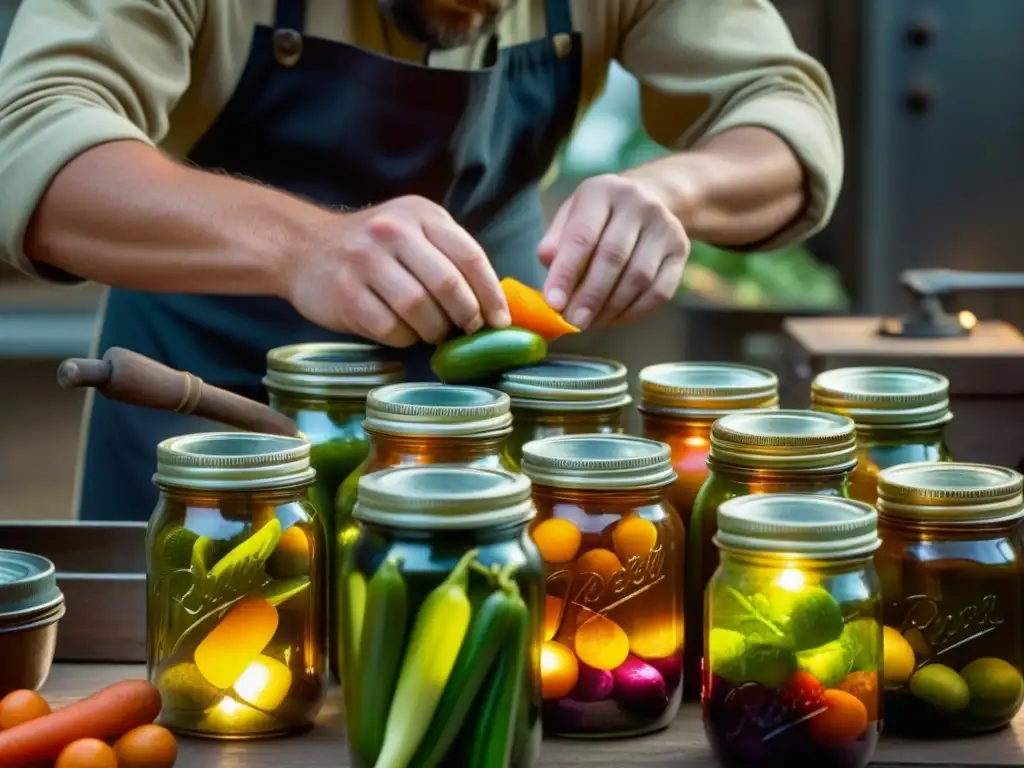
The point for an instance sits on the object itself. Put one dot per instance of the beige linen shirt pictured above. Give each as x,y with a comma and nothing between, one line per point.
77,73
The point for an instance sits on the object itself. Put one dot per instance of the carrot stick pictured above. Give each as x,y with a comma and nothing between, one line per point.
105,715
529,310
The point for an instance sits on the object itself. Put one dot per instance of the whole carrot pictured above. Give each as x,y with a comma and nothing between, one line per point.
105,715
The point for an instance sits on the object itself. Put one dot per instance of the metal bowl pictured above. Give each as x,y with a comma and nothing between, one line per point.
31,606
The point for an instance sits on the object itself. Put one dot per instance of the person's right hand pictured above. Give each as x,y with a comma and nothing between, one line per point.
397,273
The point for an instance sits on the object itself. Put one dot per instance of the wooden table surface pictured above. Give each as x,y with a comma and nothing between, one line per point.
682,744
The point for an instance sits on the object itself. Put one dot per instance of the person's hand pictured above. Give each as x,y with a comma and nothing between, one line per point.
397,273
615,252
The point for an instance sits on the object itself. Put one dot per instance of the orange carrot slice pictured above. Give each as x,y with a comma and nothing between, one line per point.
529,310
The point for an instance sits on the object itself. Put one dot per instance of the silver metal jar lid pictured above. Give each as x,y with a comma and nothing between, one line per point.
800,525
790,440
28,588
598,462
443,498
568,383
706,391
438,410
233,461
884,396
950,493
333,370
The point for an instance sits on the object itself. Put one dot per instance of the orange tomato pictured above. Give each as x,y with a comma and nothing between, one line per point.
87,753
634,536
19,707
603,562
863,685
557,539
149,746
843,719
559,670
601,643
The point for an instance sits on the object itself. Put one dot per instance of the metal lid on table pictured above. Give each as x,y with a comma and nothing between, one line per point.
790,440
233,461
28,589
328,369
706,390
598,462
568,383
443,498
950,493
801,525
884,396
438,410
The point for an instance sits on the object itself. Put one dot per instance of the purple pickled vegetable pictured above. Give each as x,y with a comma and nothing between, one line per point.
671,669
593,684
640,686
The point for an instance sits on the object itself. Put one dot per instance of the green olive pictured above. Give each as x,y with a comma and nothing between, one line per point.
941,687
996,689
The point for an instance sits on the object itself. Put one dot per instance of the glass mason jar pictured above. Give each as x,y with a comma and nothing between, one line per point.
565,395
322,387
794,634
415,424
236,574
952,567
441,634
680,401
782,451
901,416
611,663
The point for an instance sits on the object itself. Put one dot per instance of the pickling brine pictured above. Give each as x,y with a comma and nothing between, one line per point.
611,664
952,571
440,632
793,659
236,603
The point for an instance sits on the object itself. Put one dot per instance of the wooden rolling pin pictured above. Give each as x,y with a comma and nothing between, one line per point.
129,377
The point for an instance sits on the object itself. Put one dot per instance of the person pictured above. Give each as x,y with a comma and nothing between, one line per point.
250,174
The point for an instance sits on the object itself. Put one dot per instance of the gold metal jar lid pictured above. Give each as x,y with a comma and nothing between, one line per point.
333,370
598,462
800,525
884,396
438,410
789,440
950,493
233,461
443,498
706,391
568,383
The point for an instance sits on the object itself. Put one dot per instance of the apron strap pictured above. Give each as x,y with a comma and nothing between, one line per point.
290,14
559,17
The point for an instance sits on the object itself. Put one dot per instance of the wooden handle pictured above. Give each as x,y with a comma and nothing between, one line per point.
129,377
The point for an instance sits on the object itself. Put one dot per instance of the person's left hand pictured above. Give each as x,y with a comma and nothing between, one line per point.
615,252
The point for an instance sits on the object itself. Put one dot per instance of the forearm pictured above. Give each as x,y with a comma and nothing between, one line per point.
124,215
739,188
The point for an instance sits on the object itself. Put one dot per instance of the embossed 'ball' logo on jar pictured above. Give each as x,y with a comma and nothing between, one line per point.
933,628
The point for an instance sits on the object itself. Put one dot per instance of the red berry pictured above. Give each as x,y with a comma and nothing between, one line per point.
804,693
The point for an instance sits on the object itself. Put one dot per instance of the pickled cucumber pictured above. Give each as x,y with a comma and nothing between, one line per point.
941,687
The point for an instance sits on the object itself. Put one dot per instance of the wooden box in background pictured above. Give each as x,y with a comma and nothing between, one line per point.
985,372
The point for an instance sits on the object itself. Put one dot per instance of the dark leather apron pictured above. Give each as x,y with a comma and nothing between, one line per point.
344,127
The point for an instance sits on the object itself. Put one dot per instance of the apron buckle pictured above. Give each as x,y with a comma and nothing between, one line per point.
562,44
287,45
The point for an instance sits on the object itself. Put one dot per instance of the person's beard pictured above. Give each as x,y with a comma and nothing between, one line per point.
445,24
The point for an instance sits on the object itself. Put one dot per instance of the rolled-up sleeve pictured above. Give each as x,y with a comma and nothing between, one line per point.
706,66
76,74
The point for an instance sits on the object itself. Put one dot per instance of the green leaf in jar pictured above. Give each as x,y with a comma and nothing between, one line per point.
282,590
239,572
